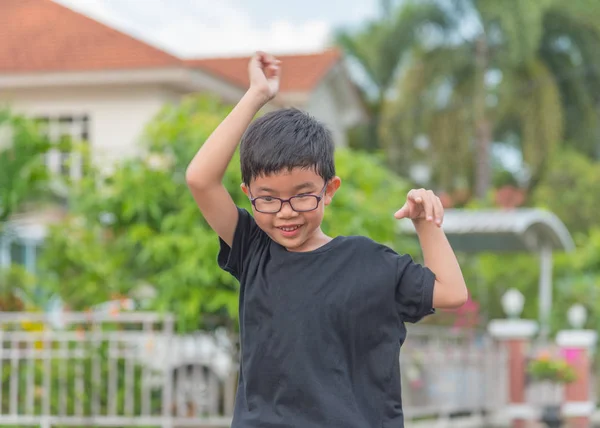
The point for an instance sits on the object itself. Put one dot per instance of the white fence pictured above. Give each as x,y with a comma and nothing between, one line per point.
110,370
447,373
130,369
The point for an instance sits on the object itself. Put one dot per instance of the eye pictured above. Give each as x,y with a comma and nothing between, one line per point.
267,199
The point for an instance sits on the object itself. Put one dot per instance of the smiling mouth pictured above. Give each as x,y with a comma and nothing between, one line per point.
289,229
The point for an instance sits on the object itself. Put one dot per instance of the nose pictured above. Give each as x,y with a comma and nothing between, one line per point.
286,211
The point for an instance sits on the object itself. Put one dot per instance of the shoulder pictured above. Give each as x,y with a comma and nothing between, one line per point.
377,252
255,236
367,244
249,242
369,260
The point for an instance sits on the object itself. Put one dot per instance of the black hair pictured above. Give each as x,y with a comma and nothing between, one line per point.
286,139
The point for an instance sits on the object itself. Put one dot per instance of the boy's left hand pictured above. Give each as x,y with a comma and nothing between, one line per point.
422,204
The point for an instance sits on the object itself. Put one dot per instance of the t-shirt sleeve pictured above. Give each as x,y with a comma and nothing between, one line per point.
414,290
247,233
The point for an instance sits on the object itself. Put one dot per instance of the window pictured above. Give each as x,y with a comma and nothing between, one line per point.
21,252
21,243
65,131
17,253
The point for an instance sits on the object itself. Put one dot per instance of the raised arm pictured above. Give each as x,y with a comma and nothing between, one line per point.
427,212
205,172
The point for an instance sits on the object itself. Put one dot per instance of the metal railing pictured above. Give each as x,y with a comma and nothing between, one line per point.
447,373
108,370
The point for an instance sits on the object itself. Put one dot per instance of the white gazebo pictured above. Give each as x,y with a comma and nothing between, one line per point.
516,230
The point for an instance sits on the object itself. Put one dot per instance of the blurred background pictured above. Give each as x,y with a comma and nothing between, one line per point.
113,311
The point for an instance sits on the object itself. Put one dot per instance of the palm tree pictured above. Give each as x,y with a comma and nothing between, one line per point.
24,174
378,48
516,72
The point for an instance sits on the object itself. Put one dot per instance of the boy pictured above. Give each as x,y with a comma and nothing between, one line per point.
321,319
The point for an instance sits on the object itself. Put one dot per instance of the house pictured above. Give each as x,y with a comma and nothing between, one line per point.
92,82
317,83
105,85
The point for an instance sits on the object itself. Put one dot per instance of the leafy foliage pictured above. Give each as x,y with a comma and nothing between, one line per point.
570,190
17,289
139,228
527,72
380,46
24,175
23,179
556,370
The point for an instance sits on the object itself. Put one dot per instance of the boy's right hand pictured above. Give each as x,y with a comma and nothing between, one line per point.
264,71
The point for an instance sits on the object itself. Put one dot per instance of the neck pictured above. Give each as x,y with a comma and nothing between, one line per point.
316,240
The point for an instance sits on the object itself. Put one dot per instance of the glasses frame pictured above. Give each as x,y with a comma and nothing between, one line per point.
319,196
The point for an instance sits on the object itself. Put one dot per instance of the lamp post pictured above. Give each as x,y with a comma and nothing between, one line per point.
512,303
577,316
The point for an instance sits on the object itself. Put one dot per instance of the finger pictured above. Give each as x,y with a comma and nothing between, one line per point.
402,212
265,60
438,210
269,59
272,71
256,60
415,196
428,205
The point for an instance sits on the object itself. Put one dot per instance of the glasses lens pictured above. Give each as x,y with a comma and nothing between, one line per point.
267,205
304,203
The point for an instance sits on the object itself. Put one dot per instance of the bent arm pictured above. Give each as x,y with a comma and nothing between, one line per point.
204,174
450,290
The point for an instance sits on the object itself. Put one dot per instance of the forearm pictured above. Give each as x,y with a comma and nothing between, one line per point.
210,163
440,258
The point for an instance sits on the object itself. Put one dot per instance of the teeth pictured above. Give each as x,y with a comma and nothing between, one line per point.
289,229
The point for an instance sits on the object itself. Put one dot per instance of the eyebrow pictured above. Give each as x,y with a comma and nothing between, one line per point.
307,185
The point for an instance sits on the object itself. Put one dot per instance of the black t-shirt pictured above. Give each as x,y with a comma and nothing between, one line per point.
321,330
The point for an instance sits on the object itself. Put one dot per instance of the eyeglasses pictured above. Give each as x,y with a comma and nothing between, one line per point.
299,203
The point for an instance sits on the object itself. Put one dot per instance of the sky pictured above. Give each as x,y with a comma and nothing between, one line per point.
200,28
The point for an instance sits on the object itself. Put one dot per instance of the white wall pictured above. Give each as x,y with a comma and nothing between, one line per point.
322,105
118,115
336,102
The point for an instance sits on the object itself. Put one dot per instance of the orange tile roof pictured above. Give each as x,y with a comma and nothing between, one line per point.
44,36
40,35
301,73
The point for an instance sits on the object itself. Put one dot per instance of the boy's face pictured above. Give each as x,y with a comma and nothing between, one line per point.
297,231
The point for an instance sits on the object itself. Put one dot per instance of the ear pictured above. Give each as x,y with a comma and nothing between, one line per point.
245,189
332,187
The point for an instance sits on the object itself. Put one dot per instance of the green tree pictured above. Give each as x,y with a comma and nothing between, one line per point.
23,179
578,279
380,46
24,175
514,76
17,289
139,226
570,190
